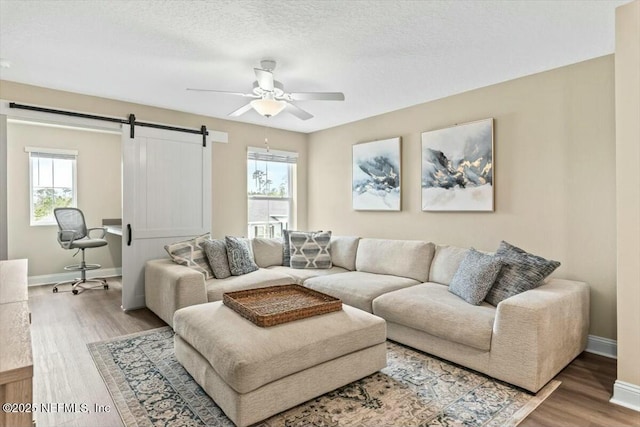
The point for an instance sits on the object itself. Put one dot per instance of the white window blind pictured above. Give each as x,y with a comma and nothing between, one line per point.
254,153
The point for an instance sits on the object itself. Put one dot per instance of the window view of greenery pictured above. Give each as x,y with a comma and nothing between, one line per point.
52,186
269,197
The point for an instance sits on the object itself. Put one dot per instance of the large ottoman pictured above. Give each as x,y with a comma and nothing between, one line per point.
253,372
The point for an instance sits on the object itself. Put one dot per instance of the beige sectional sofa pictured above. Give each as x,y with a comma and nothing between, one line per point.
526,340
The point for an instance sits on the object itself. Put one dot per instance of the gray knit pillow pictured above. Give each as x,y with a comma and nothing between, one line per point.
240,256
521,271
216,251
475,276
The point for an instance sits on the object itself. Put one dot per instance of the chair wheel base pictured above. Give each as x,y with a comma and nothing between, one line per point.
75,291
106,286
55,290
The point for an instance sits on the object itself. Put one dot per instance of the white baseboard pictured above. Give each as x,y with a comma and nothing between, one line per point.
61,277
627,395
602,346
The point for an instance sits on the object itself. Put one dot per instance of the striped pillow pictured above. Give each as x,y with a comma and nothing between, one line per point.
310,250
191,253
521,271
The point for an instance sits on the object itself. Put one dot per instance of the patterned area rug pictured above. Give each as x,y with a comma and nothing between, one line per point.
151,388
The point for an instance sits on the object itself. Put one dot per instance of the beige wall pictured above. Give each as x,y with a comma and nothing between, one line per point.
554,171
627,101
98,193
229,181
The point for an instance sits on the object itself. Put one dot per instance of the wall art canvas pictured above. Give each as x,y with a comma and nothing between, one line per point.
457,168
375,180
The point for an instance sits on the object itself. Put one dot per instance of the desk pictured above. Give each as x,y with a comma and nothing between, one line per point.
113,226
114,229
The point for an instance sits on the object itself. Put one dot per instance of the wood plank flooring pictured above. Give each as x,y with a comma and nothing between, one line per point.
62,326
64,372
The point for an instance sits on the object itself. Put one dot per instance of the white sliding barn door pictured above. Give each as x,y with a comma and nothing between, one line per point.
166,197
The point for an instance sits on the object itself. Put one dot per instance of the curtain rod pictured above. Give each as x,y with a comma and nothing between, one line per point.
131,121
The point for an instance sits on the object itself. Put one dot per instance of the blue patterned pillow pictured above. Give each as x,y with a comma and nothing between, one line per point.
475,276
521,271
239,256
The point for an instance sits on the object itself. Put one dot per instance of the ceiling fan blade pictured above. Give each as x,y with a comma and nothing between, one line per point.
240,111
246,95
265,79
319,96
297,111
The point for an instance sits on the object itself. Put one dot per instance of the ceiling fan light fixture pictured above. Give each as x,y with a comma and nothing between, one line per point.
268,107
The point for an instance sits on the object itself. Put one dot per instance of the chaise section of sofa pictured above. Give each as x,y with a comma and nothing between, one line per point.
526,340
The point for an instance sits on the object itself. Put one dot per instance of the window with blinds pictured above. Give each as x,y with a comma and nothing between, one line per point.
270,175
52,175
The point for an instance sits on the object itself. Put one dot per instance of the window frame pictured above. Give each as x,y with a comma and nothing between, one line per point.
274,156
52,152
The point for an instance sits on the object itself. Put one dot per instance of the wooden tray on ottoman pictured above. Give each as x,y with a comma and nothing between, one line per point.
280,304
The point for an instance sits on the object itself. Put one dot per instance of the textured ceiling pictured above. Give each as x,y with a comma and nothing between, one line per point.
384,55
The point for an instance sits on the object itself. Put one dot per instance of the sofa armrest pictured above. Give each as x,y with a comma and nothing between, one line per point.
538,332
169,287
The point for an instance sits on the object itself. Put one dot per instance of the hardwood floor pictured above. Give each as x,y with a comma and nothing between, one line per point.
64,372
62,326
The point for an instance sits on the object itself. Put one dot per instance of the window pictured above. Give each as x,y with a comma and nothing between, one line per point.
52,182
269,188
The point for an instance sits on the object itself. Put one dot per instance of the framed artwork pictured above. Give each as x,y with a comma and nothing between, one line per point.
375,177
457,168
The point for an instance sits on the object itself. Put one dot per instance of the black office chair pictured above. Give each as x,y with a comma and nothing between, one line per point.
73,234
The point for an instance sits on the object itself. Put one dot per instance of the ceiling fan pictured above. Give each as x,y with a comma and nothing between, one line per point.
270,97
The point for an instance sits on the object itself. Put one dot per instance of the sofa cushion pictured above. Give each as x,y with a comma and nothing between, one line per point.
256,279
267,252
404,258
520,272
344,250
240,256
475,276
310,250
431,308
191,253
446,261
300,275
358,288
216,251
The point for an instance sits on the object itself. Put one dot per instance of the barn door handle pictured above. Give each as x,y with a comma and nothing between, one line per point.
129,234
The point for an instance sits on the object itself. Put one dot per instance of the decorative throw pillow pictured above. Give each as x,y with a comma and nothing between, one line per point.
286,246
310,250
520,272
216,251
239,256
191,253
475,276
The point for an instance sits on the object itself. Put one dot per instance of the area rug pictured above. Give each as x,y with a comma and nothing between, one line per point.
151,388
